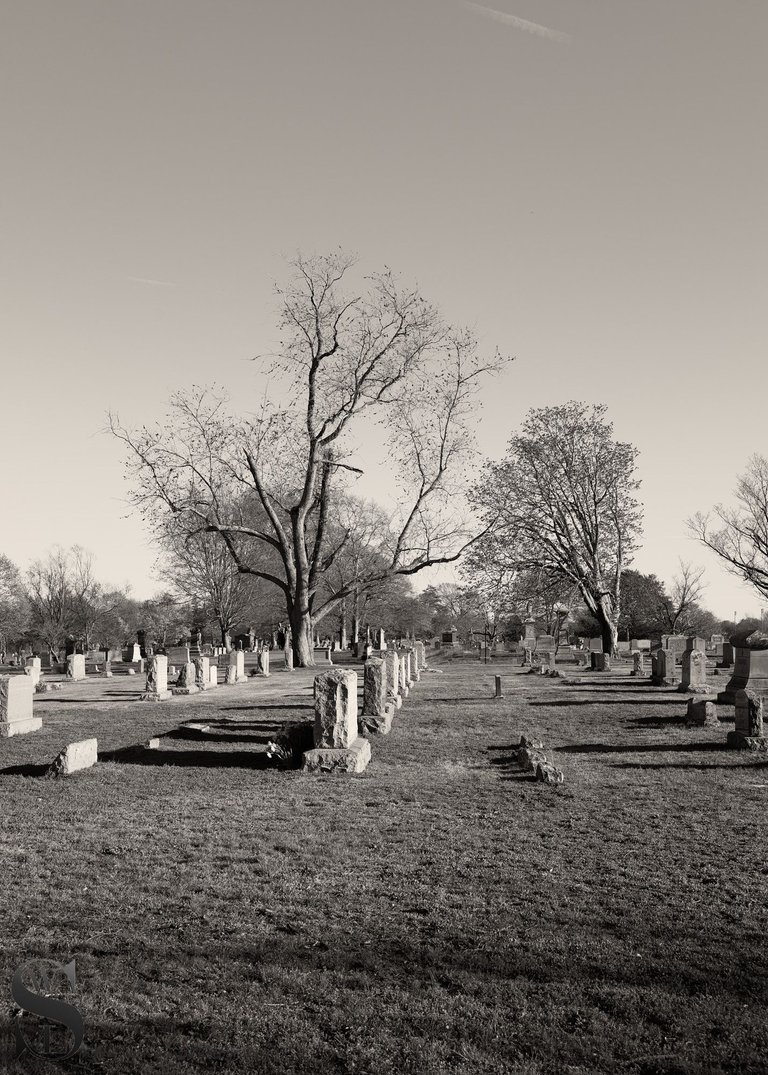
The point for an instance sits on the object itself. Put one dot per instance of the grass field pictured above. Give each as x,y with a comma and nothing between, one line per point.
439,913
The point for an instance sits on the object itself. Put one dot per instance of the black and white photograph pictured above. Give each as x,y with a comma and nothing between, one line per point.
384,537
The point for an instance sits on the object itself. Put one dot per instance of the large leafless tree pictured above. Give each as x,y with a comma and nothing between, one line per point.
266,484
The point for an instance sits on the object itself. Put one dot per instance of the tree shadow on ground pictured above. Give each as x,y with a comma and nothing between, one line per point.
642,748
702,766
607,701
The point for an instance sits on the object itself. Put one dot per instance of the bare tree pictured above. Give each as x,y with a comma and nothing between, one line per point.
563,503
680,609
49,595
739,535
265,484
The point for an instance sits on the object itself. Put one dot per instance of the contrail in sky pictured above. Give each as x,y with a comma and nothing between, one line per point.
147,280
517,23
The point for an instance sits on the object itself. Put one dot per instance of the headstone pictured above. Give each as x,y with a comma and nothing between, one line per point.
450,638
750,731
262,663
135,654
529,637
213,675
601,662
288,658
156,689
16,716
545,644
178,655
377,712
527,656
717,640
694,675
663,668
392,664
497,683
547,660
595,645
236,667
702,713
75,756
409,668
421,654
33,669
727,655
642,644
335,708
76,667
185,681
750,672
638,664
329,655
202,672
403,688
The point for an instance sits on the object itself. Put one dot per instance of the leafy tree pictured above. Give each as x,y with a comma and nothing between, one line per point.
14,608
268,482
642,601
562,502
739,535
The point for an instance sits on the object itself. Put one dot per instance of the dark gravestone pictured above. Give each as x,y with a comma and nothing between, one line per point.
750,672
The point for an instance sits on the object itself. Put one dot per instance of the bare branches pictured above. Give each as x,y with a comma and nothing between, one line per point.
739,535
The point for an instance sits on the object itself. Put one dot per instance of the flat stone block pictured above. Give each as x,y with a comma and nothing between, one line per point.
380,723
75,756
20,727
192,689
758,744
153,744
549,774
351,759
703,714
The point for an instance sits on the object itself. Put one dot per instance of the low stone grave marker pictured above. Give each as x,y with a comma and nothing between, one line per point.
749,733
74,757
156,689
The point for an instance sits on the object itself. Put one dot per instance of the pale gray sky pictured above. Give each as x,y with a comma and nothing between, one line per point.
583,180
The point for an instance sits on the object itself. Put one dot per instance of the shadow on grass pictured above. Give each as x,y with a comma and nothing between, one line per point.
256,708
609,701
24,770
658,722
204,759
687,765
642,748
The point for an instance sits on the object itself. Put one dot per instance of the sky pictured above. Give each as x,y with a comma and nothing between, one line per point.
583,181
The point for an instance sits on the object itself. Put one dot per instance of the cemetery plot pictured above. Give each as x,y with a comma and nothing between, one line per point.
225,914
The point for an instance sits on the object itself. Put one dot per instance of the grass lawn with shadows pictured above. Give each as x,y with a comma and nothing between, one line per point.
441,912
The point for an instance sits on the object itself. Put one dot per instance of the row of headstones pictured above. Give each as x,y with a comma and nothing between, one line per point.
197,675
339,742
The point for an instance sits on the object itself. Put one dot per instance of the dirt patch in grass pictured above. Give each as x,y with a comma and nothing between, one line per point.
441,912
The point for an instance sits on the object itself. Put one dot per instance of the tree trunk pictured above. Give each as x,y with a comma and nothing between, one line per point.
301,637
608,628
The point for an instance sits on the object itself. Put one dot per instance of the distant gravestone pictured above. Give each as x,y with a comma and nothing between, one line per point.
76,667
156,689
638,663
601,662
545,644
262,663
34,669
726,660
178,655
694,673
202,672
16,715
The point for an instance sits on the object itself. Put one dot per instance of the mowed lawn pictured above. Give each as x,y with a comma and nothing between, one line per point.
439,913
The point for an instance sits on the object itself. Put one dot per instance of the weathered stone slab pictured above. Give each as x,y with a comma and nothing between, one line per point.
74,757
178,655
262,663
702,714
638,664
601,662
76,666
213,675
549,774
236,666
202,672
421,655
156,689
336,709
750,731
351,759
694,674
16,706
750,672
663,668
34,669
545,644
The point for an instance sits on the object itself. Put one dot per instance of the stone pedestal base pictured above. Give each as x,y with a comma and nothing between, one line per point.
185,690
701,689
758,744
379,724
19,727
155,696
351,759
